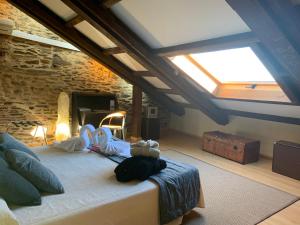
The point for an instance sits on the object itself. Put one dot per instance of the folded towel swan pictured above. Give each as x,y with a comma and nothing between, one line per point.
109,144
100,139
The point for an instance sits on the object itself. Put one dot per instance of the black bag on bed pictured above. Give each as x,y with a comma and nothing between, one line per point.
138,167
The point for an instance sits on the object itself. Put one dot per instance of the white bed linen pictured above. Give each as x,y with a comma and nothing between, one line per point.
92,195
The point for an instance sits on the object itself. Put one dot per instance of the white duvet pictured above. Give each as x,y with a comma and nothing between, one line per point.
92,194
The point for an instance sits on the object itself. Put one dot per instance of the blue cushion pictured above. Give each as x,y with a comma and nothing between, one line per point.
3,163
9,142
33,171
2,155
15,189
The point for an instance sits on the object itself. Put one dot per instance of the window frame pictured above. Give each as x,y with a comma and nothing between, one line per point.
258,51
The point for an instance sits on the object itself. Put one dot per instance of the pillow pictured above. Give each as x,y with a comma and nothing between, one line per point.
9,142
15,189
33,171
3,163
6,216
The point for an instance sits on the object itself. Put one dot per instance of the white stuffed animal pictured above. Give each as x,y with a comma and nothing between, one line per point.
148,148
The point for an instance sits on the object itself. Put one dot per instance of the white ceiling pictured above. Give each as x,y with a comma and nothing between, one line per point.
129,61
58,7
156,82
162,23
93,34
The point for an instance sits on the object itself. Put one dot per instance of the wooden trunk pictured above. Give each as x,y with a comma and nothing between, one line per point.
286,159
236,148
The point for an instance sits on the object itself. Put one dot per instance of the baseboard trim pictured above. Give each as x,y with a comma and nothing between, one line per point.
184,133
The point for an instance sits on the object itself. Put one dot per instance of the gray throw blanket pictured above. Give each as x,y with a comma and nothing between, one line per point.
179,188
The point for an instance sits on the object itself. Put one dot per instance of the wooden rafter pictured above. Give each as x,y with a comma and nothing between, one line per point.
137,100
109,51
278,72
286,16
109,3
260,116
187,105
144,74
215,44
112,51
261,18
168,91
38,11
76,20
108,24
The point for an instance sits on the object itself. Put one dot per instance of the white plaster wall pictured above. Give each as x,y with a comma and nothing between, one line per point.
195,123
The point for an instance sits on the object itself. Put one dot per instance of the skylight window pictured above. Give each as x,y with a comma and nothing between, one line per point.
194,72
233,74
239,65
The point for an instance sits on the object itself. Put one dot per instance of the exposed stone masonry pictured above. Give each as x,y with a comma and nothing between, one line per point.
33,74
23,22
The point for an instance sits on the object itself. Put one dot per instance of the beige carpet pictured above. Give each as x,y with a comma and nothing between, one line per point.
232,199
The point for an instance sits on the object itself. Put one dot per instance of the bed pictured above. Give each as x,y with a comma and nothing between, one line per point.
92,194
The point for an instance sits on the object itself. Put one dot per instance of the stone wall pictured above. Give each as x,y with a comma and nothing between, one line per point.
33,74
23,22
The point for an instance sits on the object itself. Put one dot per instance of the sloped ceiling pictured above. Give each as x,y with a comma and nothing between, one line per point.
135,55
172,22
159,24
62,20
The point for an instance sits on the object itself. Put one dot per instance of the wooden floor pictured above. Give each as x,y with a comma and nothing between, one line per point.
260,171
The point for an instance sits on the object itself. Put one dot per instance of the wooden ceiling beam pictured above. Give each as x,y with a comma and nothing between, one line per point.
285,14
215,44
42,14
109,3
188,105
262,20
74,21
112,51
278,72
168,91
144,74
105,21
73,5
268,117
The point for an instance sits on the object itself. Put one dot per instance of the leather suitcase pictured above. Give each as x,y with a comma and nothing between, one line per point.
286,159
236,148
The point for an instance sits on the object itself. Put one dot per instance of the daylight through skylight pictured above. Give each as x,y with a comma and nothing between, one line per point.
234,66
194,72
232,74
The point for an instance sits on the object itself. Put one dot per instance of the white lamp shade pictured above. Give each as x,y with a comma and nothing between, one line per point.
62,132
39,132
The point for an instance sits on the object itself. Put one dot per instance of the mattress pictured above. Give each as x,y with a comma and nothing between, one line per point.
92,194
